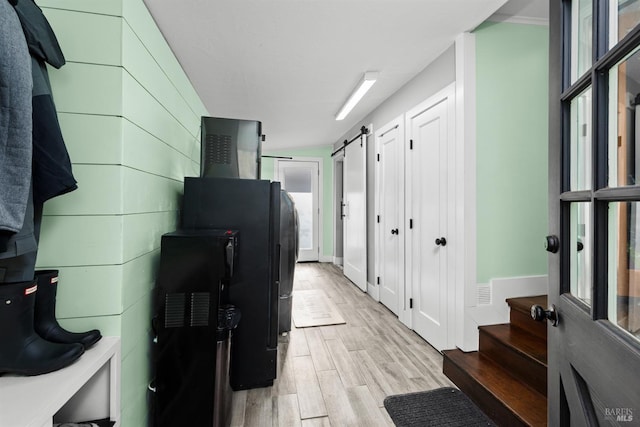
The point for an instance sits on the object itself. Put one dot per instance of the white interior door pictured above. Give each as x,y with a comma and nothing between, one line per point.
429,132
391,215
300,179
355,213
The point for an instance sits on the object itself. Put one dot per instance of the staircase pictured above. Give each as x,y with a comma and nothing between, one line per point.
507,376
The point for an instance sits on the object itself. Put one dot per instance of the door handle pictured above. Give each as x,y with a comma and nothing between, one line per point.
552,244
395,231
441,241
540,314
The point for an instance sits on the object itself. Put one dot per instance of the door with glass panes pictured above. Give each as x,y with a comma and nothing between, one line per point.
300,178
594,241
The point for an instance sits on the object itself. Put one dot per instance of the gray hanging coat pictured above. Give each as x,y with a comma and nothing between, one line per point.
15,124
52,175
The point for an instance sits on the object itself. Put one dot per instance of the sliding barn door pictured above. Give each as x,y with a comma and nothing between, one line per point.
355,213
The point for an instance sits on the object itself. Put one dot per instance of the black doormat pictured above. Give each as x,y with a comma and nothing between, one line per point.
443,407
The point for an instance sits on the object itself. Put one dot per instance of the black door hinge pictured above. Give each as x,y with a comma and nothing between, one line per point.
410,224
378,157
410,302
378,280
411,144
378,219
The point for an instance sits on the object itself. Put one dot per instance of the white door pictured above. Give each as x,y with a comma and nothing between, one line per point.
391,228
300,179
355,213
429,132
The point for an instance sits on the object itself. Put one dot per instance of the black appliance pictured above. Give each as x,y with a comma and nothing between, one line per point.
288,257
193,321
253,208
230,148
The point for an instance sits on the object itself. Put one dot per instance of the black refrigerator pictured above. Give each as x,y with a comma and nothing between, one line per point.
289,243
253,208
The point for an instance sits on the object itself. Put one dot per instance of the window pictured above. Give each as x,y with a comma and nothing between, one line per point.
600,195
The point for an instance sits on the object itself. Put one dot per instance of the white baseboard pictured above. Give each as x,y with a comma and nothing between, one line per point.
325,258
373,291
338,260
497,310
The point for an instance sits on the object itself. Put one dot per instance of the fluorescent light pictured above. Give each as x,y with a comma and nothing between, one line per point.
365,84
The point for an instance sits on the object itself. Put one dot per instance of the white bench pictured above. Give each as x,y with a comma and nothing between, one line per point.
89,389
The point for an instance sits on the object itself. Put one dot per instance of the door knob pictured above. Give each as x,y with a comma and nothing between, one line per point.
395,231
441,241
538,313
552,244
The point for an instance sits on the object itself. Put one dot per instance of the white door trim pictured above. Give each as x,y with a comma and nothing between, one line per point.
321,201
466,332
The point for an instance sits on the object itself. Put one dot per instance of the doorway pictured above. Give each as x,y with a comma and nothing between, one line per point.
300,178
338,203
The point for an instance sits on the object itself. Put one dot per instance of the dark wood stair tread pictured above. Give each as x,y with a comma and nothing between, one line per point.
493,389
519,339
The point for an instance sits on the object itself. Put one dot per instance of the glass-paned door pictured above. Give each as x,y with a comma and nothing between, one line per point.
300,179
594,195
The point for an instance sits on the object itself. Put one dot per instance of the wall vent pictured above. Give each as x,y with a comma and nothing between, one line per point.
484,294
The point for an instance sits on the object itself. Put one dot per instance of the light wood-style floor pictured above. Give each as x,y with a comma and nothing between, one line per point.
339,375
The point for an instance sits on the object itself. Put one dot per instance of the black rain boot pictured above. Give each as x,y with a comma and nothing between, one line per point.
22,350
45,321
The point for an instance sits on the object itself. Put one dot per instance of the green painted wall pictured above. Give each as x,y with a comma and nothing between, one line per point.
131,122
326,249
512,135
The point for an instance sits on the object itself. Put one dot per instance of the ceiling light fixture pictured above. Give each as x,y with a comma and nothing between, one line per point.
365,84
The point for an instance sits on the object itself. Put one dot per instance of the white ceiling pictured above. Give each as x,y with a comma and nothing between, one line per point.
292,63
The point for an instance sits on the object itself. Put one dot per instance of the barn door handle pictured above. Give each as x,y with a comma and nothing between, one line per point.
395,231
552,244
540,314
441,241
